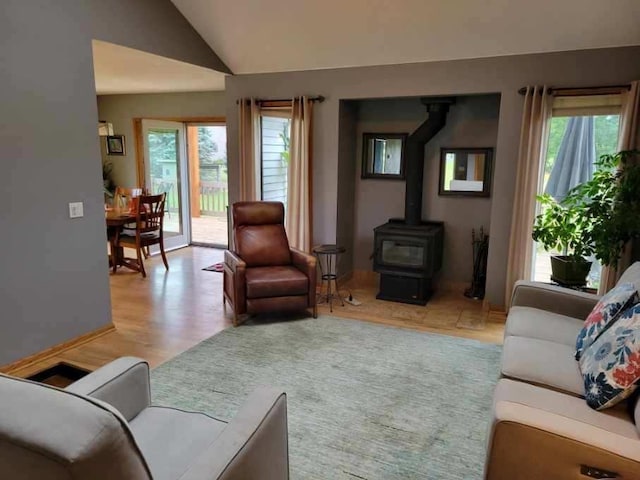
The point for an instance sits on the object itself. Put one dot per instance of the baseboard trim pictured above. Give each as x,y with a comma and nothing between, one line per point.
494,307
10,368
345,277
369,277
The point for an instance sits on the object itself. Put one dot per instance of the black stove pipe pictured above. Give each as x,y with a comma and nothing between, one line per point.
437,109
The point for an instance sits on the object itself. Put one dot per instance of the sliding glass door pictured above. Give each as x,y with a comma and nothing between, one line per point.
166,171
207,152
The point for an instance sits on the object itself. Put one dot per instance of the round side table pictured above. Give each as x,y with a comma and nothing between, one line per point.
328,261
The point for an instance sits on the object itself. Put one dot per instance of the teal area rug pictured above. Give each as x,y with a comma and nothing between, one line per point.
365,401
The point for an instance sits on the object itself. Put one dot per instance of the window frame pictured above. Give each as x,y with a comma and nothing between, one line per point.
569,105
278,111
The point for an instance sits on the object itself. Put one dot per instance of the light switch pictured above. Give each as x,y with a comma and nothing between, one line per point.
76,210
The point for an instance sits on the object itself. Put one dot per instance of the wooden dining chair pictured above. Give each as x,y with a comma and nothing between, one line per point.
148,229
123,199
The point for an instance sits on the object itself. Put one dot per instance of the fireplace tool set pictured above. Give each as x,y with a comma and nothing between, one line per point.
480,243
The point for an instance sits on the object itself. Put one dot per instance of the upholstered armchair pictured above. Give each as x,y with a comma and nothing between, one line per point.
263,274
103,427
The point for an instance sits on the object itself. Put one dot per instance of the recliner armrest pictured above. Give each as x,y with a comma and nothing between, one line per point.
551,298
233,261
123,384
254,445
307,264
303,261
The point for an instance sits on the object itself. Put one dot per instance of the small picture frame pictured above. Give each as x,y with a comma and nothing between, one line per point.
115,145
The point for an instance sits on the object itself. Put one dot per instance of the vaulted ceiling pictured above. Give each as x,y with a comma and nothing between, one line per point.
120,69
254,36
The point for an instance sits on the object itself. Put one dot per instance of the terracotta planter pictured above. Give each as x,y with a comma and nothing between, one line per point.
568,271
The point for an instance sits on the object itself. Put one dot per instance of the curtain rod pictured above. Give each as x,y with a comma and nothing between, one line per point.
317,98
584,90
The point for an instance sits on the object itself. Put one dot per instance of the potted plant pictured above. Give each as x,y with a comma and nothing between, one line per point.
598,217
564,227
614,204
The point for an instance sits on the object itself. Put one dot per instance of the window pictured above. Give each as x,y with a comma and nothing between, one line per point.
582,129
275,134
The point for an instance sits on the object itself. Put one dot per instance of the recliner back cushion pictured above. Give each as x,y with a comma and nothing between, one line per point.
259,235
49,434
263,246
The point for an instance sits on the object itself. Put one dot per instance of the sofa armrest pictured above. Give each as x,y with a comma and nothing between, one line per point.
307,264
123,384
563,431
233,261
551,298
253,446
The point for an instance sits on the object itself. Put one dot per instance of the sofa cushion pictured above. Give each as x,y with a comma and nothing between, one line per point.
171,439
265,282
518,403
543,325
631,275
611,365
604,314
542,362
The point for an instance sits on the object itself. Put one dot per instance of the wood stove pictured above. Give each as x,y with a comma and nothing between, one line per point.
408,251
407,258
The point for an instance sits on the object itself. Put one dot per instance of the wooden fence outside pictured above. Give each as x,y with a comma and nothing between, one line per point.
214,196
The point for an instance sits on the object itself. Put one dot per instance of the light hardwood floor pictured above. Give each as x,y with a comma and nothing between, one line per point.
169,312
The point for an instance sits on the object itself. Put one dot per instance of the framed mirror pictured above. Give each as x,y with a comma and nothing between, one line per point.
383,155
465,171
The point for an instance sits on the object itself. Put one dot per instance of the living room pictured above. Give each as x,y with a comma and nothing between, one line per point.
363,400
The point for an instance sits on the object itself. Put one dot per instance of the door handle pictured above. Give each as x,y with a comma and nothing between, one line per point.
595,472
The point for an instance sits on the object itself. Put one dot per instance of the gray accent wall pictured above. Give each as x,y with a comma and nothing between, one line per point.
503,75
154,26
53,270
346,230
471,123
120,110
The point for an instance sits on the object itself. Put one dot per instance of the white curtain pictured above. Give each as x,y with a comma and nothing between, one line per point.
298,219
629,140
533,147
249,148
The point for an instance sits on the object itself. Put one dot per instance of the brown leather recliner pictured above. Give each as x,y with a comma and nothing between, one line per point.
264,274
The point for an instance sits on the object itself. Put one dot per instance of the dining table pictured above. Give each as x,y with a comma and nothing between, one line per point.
117,219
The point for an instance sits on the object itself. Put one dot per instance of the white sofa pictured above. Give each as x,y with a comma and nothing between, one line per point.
542,427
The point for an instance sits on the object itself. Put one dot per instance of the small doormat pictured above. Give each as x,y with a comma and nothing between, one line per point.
60,375
218,267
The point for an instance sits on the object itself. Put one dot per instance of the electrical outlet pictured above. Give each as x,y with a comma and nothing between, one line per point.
76,210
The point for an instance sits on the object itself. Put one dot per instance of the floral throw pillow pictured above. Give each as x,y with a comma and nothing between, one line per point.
611,365
604,314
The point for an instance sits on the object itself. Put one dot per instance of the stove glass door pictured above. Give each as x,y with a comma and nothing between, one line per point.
402,254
